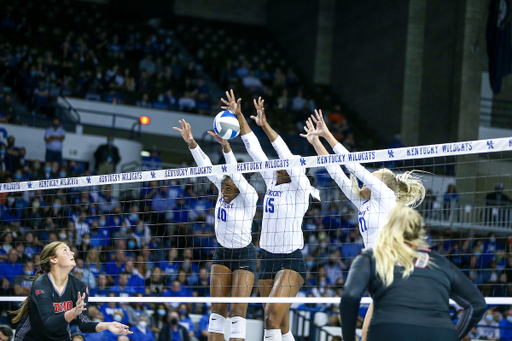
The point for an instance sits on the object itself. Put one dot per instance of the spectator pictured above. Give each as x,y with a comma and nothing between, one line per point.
185,320
23,283
450,200
144,101
53,138
176,290
148,65
107,201
9,269
488,327
112,311
334,267
87,276
156,283
102,289
7,111
6,333
107,157
298,102
202,330
152,161
252,83
506,327
172,330
115,267
135,279
135,310
121,288
158,320
203,285
12,155
187,103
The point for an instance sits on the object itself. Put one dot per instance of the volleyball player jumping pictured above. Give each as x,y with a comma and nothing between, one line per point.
234,260
56,299
282,269
410,286
381,191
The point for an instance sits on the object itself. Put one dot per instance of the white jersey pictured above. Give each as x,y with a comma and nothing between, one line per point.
285,204
373,213
233,221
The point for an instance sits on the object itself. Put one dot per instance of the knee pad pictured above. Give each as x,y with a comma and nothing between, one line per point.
238,327
216,324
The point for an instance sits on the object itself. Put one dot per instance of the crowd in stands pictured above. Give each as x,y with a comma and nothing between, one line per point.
77,51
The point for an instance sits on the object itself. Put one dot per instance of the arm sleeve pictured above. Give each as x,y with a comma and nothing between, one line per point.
463,292
378,188
248,193
253,147
358,279
344,184
202,160
45,308
84,320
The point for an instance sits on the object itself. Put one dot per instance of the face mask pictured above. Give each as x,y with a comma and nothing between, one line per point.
102,222
143,324
87,241
17,176
93,210
161,312
174,321
62,174
509,319
186,266
309,264
140,229
62,236
47,169
478,253
28,272
323,283
2,151
492,240
36,204
55,125
11,200
134,216
131,244
183,312
110,143
331,262
124,229
488,318
118,318
72,168
152,245
56,206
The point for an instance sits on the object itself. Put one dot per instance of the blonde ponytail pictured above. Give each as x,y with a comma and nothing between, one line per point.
397,242
408,187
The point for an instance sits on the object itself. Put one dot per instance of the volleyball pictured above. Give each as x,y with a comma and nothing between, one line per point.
226,125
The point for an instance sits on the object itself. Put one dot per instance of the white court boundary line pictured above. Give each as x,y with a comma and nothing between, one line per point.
384,155
319,300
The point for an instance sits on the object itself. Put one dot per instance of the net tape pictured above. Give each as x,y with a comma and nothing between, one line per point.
384,155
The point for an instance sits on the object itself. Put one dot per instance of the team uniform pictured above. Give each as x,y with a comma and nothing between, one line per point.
233,221
45,320
415,308
281,238
373,213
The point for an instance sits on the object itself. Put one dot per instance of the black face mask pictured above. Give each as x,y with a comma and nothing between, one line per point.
331,262
174,322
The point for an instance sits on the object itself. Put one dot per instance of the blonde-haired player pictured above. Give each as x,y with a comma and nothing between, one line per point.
410,285
381,191
234,261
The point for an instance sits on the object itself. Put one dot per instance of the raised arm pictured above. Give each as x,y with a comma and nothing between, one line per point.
335,171
199,156
378,188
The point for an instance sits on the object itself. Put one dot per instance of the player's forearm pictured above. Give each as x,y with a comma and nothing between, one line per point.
271,134
319,147
101,326
192,144
329,137
244,126
226,147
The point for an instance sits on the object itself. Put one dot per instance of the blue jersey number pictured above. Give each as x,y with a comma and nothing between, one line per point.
269,205
221,214
362,224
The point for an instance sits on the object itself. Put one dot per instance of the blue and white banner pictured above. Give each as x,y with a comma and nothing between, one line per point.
384,155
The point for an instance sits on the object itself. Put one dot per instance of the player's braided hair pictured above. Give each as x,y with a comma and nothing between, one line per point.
49,251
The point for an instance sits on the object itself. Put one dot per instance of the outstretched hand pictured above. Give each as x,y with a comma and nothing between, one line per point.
321,128
309,129
260,117
186,131
80,304
223,142
119,328
232,104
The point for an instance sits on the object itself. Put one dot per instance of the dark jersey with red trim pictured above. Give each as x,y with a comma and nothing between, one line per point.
45,320
421,299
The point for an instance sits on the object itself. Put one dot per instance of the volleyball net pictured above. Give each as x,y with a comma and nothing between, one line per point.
150,236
